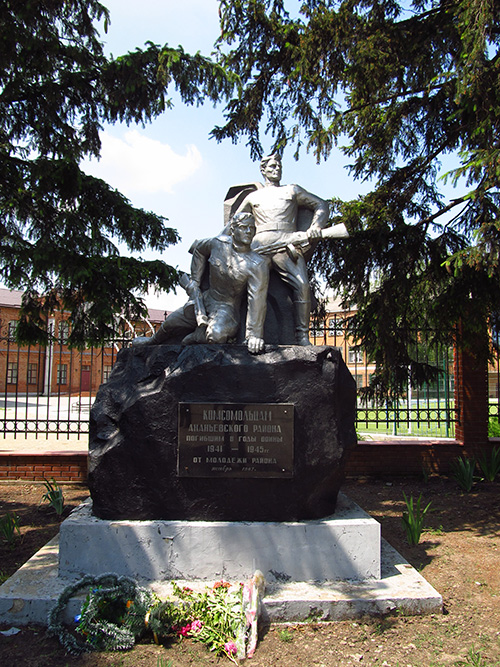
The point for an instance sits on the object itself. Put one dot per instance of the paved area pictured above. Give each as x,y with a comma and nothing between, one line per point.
21,444
73,443
47,414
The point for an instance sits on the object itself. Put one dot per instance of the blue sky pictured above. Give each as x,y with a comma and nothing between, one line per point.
171,166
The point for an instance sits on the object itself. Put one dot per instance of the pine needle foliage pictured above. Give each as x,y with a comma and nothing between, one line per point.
117,612
407,90
60,229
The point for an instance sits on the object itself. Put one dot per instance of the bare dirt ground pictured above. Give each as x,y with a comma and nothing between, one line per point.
459,554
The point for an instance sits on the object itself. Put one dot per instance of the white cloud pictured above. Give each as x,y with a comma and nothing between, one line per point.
138,164
166,300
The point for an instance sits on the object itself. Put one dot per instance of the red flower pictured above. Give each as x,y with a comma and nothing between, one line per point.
184,631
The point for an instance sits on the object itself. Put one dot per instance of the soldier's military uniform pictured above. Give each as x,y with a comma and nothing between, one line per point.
275,210
232,274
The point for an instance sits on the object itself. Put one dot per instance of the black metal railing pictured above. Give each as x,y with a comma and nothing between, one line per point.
47,392
429,411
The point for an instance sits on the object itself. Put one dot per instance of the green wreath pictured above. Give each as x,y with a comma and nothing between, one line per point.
115,614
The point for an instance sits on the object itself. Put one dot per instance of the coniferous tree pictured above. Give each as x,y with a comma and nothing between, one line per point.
400,86
60,228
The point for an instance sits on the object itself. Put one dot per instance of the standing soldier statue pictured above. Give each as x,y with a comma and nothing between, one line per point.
275,208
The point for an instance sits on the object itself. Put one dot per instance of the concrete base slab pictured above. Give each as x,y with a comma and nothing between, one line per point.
345,546
32,591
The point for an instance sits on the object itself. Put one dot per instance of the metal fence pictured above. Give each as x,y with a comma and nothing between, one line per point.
47,392
494,379
427,412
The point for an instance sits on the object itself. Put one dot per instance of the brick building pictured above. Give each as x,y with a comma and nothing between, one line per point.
56,368
332,330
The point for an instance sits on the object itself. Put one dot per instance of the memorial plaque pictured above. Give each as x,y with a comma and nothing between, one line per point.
235,440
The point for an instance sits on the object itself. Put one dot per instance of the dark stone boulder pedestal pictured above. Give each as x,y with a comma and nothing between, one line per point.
134,432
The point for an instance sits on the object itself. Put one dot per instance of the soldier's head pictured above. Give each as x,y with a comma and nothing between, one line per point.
242,228
270,168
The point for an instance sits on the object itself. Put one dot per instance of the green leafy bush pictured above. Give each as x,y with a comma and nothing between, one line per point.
54,495
490,464
9,526
493,428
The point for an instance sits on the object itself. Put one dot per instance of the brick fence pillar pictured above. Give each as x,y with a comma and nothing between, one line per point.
471,400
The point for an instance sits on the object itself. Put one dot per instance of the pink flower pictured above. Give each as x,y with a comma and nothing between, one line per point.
196,627
231,648
185,630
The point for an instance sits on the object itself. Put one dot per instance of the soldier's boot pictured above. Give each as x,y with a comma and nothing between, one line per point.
158,338
199,335
302,315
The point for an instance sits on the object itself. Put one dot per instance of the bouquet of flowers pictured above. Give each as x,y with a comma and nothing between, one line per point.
118,612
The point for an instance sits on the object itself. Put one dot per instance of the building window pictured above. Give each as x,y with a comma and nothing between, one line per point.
32,373
12,329
355,355
359,380
317,327
11,372
142,330
336,326
63,332
106,372
62,373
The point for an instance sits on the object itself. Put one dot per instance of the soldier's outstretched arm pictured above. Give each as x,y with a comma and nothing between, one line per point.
319,207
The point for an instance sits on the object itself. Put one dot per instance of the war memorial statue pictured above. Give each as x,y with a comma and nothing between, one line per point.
233,271
275,209
210,419
262,234
210,459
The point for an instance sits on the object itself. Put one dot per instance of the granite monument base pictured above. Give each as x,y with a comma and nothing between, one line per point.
29,595
213,433
345,546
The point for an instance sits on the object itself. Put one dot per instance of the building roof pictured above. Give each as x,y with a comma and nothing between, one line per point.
10,297
157,314
13,299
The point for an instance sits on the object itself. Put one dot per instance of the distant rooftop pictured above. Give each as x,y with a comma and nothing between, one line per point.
12,298
157,315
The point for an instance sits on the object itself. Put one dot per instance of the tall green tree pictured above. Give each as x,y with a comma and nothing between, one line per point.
59,227
402,88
